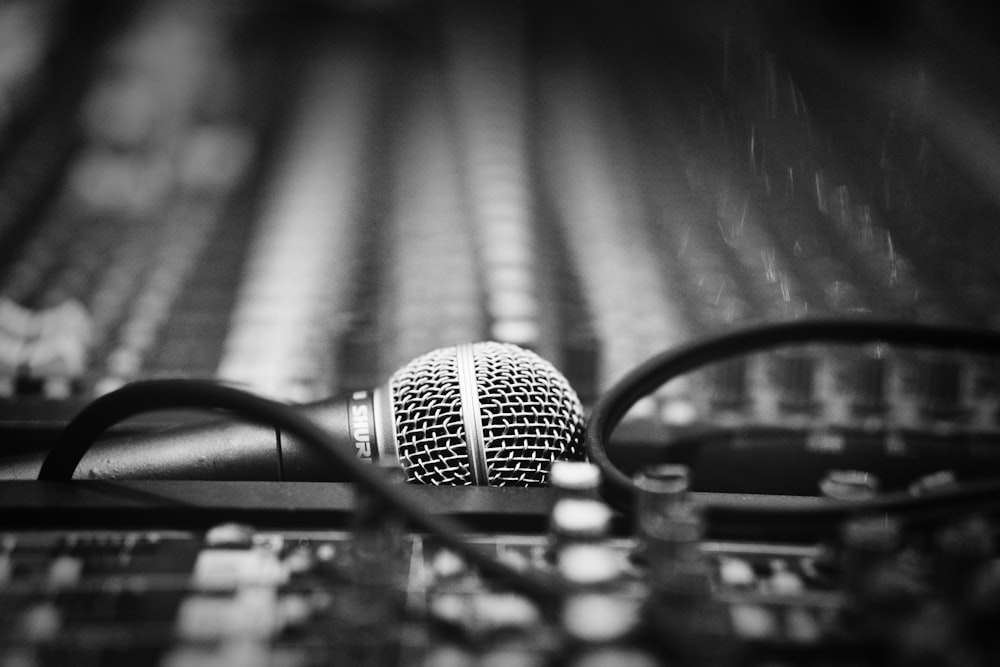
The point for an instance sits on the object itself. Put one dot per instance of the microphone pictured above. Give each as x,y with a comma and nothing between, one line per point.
486,414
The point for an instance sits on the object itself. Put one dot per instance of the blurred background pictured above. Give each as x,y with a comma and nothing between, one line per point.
300,197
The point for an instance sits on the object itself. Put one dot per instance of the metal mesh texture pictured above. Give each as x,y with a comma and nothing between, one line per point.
531,416
427,407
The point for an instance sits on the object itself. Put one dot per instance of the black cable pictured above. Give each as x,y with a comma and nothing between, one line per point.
807,518
612,405
133,399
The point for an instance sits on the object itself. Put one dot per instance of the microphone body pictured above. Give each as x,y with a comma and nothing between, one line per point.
473,414
220,450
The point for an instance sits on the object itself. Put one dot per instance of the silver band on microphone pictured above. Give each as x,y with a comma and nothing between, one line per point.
472,414
385,427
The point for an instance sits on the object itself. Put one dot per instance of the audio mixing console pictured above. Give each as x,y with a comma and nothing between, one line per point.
299,199
328,586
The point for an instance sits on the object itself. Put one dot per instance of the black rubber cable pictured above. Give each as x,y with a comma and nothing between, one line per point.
139,397
615,403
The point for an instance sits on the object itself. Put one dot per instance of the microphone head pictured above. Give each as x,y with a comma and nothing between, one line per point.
484,413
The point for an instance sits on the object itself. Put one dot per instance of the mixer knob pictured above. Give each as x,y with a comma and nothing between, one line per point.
849,485
591,566
230,536
668,527
578,520
598,608
575,479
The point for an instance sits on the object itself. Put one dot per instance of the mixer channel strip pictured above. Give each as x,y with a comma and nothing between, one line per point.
301,260
434,284
487,79
636,312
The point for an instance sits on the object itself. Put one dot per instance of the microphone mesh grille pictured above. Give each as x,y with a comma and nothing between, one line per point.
427,409
530,414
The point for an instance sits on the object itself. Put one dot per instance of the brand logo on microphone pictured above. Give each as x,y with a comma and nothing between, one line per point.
361,416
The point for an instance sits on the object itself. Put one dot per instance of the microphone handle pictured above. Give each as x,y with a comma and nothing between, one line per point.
221,450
